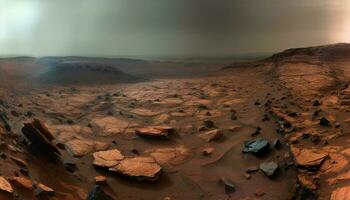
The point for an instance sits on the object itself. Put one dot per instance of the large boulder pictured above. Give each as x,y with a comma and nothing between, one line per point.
40,137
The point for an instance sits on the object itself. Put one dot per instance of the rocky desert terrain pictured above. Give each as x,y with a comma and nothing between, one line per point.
271,129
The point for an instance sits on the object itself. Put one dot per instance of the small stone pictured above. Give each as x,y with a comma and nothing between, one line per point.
43,190
316,103
97,193
233,116
276,143
247,176
324,121
209,124
100,180
208,151
70,166
211,135
259,193
228,183
269,168
22,182
252,169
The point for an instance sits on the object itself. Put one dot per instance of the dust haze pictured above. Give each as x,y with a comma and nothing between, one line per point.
166,28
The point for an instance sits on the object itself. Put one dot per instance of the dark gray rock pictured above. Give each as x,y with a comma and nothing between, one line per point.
98,194
269,168
324,121
257,146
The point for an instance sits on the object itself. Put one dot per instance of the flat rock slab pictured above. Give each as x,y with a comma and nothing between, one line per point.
109,158
81,147
257,146
155,131
268,168
307,157
64,133
108,126
341,194
141,168
169,156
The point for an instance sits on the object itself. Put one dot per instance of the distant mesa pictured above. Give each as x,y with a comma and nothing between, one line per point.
316,54
324,53
84,72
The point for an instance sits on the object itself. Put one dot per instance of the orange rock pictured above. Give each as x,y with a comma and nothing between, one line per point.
43,190
307,157
169,156
307,182
109,158
22,182
155,131
141,168
211,135
100,180
5,185
341,194
336,163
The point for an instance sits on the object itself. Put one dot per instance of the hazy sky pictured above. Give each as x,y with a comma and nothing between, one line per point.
168,27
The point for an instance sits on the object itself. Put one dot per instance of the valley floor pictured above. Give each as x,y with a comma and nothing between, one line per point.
211,118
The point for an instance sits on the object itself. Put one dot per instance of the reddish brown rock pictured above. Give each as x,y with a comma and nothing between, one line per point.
108,126
208,151
211,135
155,131
307,182
169,156
22,182
307,157
109,158
100,180
19,161
341,194
43,190
141,168
5,185
81,147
